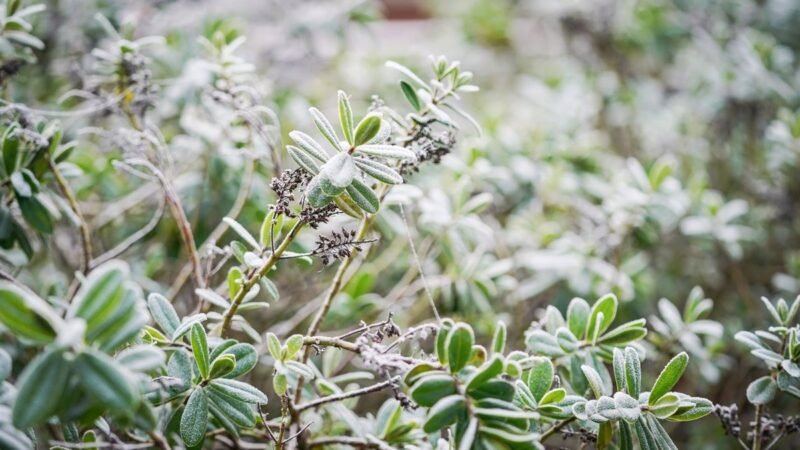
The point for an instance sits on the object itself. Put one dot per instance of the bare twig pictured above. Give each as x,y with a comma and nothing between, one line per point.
330,342
133,238
86,239
180,217
253,278
221,228
345,395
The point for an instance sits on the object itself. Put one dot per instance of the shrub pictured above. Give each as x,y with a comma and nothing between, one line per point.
168,229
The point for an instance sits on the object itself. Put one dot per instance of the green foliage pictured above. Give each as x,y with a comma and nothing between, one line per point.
620,153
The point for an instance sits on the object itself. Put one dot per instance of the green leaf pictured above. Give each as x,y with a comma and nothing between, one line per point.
315,195
578,313
411,95
240,413
499,338
386,151
553,396
367,129
141,358
468,437
246,359
660,436
432,388
10,149
40,388
459,346
618,362
408,73
35,214
540,342
701,408
607,306
627,406
100,295
235,277
180,366
666,405
293,345
669,377
325,128
222,418
346,117
310,146
633,372
222,366
280,383
441,340
540,376
163,313
508,439
238,390
496,388
200,349
363,196
25,315
416,373
303,159
378,171
337,174
762,390
274,346
194,420
487,371
445,412
646,441
595,382
625,333
105,380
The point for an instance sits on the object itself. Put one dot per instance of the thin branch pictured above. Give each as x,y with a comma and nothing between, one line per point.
330,342
253,278
555,428
133,238
305,427
180,217
345,395
222,227
86,238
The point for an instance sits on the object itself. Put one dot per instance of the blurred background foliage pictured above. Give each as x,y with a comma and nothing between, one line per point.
640,147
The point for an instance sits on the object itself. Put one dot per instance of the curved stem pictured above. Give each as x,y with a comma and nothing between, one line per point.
221,228
257,275
86,240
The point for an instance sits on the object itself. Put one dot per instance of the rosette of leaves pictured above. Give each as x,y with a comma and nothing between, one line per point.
471,395
285,366
630,416
200,383
364,152
439,94
73,375
16,40
585,336
779,349
690,330
23,165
